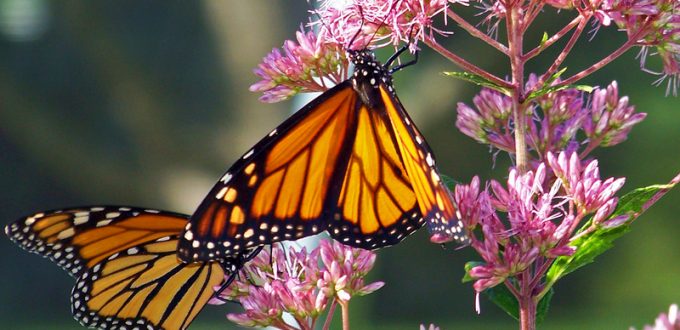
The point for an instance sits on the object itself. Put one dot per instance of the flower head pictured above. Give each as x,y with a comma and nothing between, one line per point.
345,268
652,24
301,66
489,121
610,118
582,182
299,283
532,219
262,308
557,118
358,24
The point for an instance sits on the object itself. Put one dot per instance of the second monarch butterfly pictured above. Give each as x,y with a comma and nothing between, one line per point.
125,264
351,162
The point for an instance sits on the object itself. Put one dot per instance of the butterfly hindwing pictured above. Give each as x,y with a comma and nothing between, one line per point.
434,198
376,205
144,286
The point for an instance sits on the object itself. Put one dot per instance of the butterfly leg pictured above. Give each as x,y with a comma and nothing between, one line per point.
400,66
253,254
235,273
224,286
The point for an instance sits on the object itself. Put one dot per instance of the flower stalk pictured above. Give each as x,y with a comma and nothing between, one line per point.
527,311
344,305
515,45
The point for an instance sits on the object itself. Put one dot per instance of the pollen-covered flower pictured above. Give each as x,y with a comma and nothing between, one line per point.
298,283
302,66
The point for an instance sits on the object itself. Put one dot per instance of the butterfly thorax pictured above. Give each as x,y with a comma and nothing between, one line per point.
368,75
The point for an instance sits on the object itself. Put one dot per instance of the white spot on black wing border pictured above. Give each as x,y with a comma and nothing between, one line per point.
410,222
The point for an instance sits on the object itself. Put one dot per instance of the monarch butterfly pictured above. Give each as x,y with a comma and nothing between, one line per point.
351,162
125,264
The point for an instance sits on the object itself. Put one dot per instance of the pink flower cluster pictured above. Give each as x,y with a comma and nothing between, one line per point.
358,24
530,221
651,23
557,117
317,61
302,66
299,283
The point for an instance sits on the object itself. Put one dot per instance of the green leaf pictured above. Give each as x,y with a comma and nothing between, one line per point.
555,76
469,265
552,89
601,239
449,181
503,298
544,39
478,80
543,306
547,89
635,200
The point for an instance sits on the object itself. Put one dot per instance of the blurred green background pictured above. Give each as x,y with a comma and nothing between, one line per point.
146,103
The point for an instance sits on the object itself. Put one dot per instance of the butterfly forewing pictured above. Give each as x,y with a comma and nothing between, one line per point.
277,190
350,162
79,238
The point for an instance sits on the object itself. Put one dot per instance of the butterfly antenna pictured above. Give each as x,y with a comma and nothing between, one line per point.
401,50
382,23
316,12
361,27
